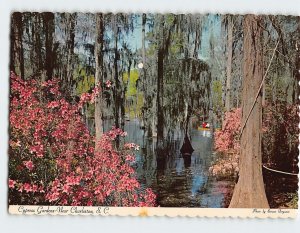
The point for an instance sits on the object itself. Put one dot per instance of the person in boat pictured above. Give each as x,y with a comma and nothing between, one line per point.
205,125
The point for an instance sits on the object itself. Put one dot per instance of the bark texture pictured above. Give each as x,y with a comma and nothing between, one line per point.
249,191
48,25
70,46
17,55
229,63
37,40
160,78
99,74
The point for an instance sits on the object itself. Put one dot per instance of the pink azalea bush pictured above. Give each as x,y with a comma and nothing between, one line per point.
280,139
227,145
227,139
52,156
281,135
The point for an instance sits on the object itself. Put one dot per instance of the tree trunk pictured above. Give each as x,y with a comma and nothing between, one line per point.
13,35
229,62
99,74
116,74
197,38
160,82
144,19
249,191
37,48
17,55
147,122
124,89
296,71
48,20
70,47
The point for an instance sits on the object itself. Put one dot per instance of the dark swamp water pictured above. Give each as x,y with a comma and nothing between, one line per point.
176,180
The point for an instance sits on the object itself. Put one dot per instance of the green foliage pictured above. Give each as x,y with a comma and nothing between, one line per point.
169,19
84,81
133,96
293,203
217,96
152,49
131,88
177,43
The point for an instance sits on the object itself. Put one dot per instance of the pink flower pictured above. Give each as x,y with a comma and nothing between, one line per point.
11,183
53,104
27,187
29,165
124,134
89,203
131,146
64,201
41,189
34,188
108,83
98,190
130,158
66,188
21,188
38,149
72,180
52,196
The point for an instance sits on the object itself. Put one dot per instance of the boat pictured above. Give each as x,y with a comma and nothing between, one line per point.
204,127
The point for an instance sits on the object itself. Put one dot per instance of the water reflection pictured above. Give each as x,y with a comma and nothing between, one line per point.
206,133
187,160
178,181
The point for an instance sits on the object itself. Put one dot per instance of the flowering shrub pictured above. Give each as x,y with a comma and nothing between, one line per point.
227,144
52,156
280,139
227,139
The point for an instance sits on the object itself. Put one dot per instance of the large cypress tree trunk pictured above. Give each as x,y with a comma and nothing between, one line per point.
70,46
37,41
17,53
99,74
147,103
48,21
160,81
160,78
249,192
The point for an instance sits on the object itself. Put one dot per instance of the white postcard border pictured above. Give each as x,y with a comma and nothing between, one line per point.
152,211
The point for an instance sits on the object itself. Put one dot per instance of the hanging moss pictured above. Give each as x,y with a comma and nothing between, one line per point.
131,88
84,81
134,98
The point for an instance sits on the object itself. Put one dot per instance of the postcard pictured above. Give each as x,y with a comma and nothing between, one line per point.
149,114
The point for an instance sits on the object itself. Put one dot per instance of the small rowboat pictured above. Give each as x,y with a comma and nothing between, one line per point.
203,129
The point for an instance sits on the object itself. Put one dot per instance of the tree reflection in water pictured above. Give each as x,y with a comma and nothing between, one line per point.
177,180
